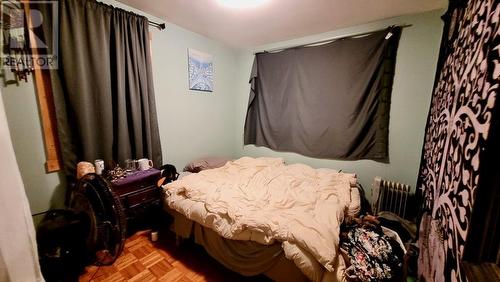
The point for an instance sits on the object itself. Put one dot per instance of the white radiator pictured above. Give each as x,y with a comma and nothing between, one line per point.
390,196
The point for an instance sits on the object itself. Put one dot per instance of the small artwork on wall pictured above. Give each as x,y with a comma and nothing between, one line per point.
201,71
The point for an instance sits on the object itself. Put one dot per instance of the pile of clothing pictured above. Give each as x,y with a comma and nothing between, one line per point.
375,253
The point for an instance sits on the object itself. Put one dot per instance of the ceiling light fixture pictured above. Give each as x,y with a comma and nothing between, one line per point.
241,4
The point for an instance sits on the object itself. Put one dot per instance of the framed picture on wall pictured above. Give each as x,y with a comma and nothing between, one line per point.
201,71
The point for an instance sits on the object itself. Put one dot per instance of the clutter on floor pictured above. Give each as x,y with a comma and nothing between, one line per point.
372,251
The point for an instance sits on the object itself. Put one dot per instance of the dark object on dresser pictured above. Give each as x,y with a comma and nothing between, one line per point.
168,174
140,198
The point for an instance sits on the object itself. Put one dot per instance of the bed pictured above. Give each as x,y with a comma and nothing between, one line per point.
259,215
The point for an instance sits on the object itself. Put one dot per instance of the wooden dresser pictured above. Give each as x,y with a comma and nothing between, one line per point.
140,197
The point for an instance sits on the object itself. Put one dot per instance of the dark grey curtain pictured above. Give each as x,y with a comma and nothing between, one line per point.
327,101
103,89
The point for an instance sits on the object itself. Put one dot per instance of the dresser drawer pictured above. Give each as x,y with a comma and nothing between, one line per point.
147,195
135,182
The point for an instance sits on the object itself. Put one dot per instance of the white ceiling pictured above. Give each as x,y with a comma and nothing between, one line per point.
276,20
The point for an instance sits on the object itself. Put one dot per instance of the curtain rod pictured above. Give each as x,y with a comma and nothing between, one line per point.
327,40
160,26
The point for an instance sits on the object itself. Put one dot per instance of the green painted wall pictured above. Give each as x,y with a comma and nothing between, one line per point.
191,123
194,124
43,190
413,81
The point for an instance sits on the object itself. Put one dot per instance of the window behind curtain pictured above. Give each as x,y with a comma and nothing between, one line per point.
328,101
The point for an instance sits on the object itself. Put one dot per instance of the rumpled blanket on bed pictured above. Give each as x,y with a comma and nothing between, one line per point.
289,203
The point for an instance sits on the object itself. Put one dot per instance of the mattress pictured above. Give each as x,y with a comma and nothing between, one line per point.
264,201
274,263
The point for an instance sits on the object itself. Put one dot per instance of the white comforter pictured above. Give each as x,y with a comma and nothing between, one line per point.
295,204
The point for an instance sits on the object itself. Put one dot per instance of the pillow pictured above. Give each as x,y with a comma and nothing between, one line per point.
205,163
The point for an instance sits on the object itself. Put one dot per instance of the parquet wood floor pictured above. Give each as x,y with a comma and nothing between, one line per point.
143,260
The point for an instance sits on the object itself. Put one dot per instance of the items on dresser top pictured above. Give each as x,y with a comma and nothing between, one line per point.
116,173
99,166
144,164
130,165
83,168
113,171
141,178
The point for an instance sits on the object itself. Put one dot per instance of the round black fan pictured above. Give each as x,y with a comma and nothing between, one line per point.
106,219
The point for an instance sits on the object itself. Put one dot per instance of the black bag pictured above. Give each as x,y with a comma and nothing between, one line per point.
168,174
61,245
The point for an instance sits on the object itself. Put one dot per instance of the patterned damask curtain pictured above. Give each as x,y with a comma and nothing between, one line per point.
458,127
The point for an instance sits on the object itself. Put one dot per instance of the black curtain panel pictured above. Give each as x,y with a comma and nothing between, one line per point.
458,179
328,101
103,88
